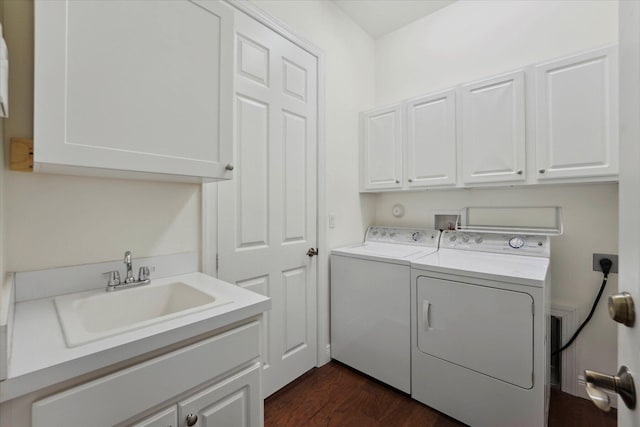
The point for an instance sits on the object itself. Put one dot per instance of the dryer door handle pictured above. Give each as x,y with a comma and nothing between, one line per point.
426,305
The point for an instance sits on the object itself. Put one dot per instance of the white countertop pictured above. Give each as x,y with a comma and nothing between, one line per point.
39,356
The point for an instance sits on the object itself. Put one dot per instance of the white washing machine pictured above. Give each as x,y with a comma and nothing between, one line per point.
479,329
370,300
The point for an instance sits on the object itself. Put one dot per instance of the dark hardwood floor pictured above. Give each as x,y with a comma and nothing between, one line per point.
336,395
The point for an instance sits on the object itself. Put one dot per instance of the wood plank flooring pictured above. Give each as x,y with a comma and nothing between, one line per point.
336,395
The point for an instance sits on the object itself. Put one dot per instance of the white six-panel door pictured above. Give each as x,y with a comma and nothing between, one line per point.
267,214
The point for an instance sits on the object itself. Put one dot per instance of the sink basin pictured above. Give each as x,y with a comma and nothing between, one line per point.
86,318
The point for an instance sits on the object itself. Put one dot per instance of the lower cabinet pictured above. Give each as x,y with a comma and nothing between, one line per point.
232,402
216,381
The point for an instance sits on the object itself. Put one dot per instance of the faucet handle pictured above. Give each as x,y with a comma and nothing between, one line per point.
144,273
113,277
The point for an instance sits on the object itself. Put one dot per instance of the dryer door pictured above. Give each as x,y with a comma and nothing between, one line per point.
487,330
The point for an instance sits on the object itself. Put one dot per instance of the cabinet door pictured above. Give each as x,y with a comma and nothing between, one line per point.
431,140
577,115
381,160
235,402
493,129
123,87
166,418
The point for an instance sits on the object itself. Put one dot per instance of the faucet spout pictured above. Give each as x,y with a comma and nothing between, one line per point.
129,264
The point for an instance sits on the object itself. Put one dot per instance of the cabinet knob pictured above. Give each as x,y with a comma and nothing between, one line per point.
397,181
519,171
229,167
410,180
542,170
192,419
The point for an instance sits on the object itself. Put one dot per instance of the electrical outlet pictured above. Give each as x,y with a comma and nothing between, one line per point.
598,257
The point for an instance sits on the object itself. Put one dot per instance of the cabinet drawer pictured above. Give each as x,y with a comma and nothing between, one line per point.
124,394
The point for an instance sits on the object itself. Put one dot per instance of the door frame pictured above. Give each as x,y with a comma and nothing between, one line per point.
209,192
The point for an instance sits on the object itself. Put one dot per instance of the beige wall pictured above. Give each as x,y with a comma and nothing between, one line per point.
474,39
55,220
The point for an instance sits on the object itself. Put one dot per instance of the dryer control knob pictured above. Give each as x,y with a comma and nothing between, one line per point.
453,238
417,236
516,242
479,240
465,238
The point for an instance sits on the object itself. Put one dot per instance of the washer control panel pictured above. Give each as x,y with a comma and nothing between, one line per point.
410,236
498,243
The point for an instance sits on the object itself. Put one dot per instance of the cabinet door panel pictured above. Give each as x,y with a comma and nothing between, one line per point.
431,140
235,401
493,129
382,148
141,86
577,116
166,418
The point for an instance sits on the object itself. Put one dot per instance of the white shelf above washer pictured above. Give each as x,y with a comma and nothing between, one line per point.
530,220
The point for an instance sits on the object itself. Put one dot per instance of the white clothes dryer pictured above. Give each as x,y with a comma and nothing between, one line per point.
370,299
479,329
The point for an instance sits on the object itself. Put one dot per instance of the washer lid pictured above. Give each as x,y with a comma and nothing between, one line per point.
519,269
390,252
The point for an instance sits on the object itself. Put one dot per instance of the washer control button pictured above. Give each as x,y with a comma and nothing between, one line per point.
516,242
417,236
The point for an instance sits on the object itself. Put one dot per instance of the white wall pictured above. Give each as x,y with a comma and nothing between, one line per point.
349,83
54,220
474,39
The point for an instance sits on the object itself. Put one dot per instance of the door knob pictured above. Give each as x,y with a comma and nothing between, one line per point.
312,252
621,308
621,383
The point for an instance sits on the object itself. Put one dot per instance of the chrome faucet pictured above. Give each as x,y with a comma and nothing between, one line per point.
127,261
113,277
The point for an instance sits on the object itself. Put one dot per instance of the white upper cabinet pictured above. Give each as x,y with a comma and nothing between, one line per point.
577,115
431,140
130,87
381,148
493,129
